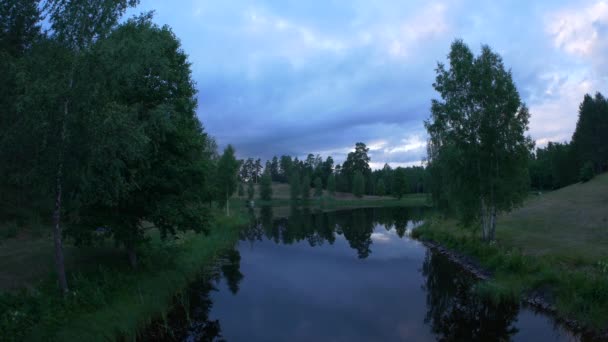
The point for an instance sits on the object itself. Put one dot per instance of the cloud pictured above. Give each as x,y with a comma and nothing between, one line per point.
299,77
582,31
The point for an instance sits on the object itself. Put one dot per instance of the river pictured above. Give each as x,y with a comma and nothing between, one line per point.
351,275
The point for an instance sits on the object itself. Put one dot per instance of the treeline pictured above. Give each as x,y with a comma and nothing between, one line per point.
98,131
561,164
353,176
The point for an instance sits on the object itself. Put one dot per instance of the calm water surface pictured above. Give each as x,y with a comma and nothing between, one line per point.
344,276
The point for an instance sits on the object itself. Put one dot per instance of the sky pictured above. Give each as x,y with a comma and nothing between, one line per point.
296,77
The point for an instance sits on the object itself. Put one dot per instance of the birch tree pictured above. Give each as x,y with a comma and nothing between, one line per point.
477,137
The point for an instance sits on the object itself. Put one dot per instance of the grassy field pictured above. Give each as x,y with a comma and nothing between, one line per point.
555,246
107,298
570,224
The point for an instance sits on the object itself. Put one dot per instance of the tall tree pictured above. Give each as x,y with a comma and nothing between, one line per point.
274,169
294,185
257,170
250,190
358,160
65,105
306,187
590,139
331,184
318,187
266,186
285,165
399,187
227,177
358,184
477,134
380,188
150,160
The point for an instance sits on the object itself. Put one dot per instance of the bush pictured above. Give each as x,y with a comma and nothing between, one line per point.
586,172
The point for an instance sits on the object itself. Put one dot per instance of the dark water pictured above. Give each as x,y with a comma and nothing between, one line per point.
344,276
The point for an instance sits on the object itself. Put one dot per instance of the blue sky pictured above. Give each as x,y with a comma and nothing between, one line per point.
298,77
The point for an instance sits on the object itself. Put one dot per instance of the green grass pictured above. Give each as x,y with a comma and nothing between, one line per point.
110,300
555,245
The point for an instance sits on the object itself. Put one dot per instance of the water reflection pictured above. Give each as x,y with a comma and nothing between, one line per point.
318,227
189,318
344,276
455,313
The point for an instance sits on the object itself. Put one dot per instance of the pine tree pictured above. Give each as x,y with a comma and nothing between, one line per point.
318,187
266,186
358,184
306,187
331,184
380,188
294,185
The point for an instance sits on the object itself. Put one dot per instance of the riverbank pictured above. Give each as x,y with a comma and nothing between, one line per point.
578,297
110,300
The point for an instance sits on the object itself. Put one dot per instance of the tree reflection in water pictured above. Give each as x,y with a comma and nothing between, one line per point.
455,313
318,228
188,320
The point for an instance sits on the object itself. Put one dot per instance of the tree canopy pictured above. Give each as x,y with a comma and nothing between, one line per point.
477,136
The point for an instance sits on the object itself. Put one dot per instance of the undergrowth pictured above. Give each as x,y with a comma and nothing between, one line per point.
112,300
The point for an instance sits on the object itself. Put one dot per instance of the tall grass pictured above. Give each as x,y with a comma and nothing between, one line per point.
114,301
580,293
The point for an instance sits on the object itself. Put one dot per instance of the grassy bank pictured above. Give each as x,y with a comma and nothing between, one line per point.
553,247
110,300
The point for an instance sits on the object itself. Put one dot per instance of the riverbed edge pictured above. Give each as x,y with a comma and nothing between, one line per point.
534,299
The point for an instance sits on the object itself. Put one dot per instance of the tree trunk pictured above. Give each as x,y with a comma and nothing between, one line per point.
132,253
484,221
492,223
57,238
57,235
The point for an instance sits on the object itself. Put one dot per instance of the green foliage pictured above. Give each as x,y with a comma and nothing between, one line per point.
306,187
318,187
112,301
241,191
331,184
358,184
399,187
250,190
478,149
553,167
586,173
295,187
266,186
148,160
590,141
380,188
227,177
356,161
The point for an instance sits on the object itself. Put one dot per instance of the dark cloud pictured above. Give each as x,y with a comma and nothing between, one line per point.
298,77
